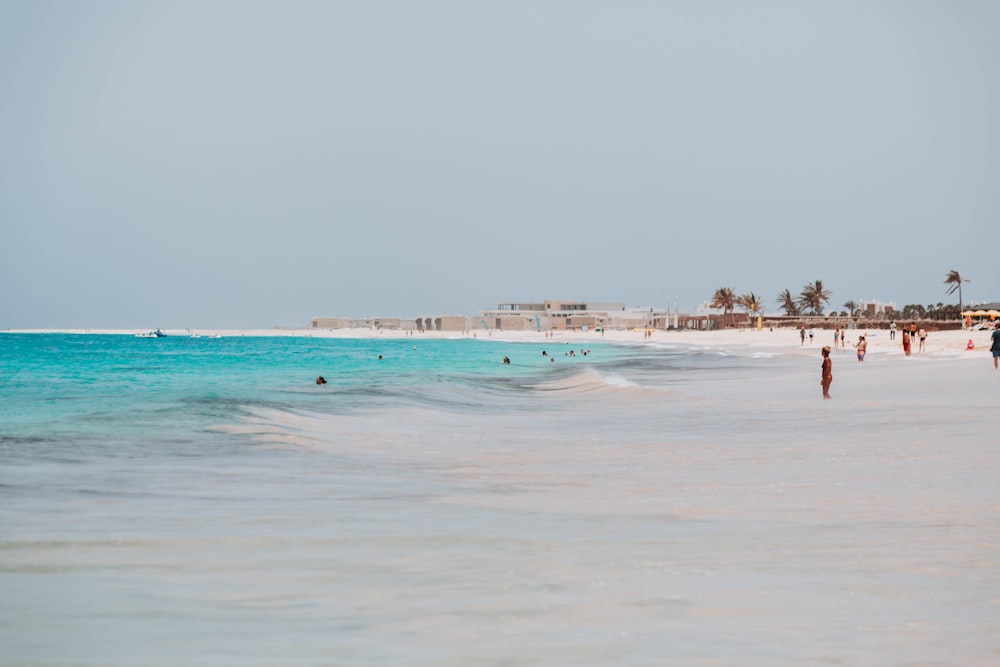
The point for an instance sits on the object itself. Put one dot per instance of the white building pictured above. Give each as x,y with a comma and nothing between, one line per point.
553,315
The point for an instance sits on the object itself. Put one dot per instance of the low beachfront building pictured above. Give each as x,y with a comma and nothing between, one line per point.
325,323
555,315
389,323
423,323
445,323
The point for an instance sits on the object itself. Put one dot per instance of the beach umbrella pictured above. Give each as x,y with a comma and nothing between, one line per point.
980,313
993,314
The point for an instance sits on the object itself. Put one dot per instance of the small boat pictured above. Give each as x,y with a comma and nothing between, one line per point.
151,334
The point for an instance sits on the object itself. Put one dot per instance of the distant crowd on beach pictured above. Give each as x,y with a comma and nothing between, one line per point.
909,335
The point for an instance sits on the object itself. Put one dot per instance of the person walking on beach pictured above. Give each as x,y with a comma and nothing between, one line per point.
923,338
862,348
906,342
827,377
995,348
802,335
892,331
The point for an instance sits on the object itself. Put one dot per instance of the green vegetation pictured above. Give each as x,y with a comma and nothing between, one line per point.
955,279
724,298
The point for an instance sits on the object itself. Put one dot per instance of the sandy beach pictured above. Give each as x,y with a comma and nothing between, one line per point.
687,498
939,344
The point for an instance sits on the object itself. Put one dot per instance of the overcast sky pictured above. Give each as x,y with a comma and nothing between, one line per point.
244,164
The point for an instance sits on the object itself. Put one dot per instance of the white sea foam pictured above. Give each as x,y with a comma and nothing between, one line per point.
617,380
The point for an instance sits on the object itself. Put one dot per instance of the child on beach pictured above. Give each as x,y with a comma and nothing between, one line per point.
827,378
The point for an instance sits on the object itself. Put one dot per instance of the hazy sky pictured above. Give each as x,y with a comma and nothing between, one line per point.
242,164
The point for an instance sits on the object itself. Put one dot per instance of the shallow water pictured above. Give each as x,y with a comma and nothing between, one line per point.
201,501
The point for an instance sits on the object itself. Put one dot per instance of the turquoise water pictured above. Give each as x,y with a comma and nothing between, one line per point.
202,501
117,393
123,391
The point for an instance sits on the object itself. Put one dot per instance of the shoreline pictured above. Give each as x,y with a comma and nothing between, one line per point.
950,344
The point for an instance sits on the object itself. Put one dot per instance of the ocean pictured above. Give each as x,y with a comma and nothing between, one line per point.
202,501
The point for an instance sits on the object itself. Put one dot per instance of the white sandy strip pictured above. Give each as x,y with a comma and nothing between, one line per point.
938,343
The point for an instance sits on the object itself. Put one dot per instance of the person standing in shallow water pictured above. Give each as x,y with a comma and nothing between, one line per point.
862,348
827,378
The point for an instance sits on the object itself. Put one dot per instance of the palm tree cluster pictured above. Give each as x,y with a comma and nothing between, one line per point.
916,311
725,298
814,297
939,311
810,301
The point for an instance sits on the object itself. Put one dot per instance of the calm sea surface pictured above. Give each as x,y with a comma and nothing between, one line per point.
202,501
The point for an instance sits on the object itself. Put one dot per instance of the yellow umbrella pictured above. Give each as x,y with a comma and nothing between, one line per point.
968,313
993,314
980,313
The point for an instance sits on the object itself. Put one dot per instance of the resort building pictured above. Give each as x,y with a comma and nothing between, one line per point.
875,308
554,315
433,323
445,323
390,323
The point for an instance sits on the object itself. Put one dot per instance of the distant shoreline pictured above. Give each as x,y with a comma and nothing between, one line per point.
952,343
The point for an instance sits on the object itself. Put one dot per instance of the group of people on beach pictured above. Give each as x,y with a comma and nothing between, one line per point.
908,337
826,377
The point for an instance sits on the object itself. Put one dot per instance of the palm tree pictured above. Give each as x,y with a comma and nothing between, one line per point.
851,306
724,298
787,303
813,296
751,303
955,279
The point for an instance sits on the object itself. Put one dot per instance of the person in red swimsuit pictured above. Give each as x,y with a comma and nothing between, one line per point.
827,378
